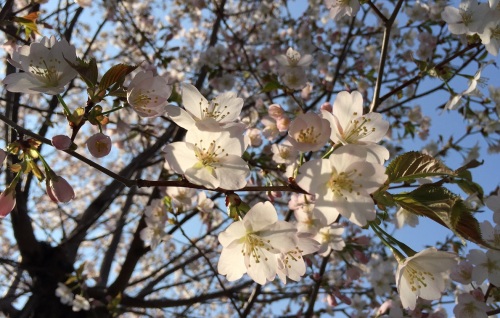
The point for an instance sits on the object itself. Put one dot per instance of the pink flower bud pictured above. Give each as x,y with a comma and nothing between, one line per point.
99,145
61,142
7,203
282,123
59,190
3,155
275,111
327,107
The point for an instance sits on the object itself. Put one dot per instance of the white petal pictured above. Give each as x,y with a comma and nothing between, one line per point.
180,156
260,216
193,101
347,106
231,263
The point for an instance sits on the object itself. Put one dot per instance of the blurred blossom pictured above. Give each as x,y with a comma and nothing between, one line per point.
275,111
283,123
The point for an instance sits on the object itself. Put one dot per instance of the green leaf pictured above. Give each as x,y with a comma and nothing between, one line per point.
271,86
444,207
116,74
87,70
413,165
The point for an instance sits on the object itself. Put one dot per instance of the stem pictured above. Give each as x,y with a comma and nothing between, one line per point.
66,109
383,56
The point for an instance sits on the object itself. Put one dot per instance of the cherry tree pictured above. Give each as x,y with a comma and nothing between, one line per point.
235,158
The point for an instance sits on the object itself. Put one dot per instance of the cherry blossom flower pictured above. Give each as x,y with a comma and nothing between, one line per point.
468,17
7,202
293,59
422,275
284,152
490,37
486,266
462,272
330,238
99,145
155,217
65,294
220,112
341,8
211,159
80,303
469,307
350,126
293,68
148,94
44,66
59,190
291,264
309,132
343,184
251,245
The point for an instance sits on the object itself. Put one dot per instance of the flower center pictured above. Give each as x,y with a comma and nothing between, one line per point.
46,72
307,136
356,129
208,156
416,277
495,32
253,247
340,183
214,110
466,17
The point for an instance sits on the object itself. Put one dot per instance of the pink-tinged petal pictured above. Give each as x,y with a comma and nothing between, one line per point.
347,106
260,216
232,235
7,203
281,59
231,264
193,101
314,175
336,129
180,156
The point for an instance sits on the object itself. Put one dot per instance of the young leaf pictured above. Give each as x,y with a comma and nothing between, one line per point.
116,74
413,165
444,207
87,70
